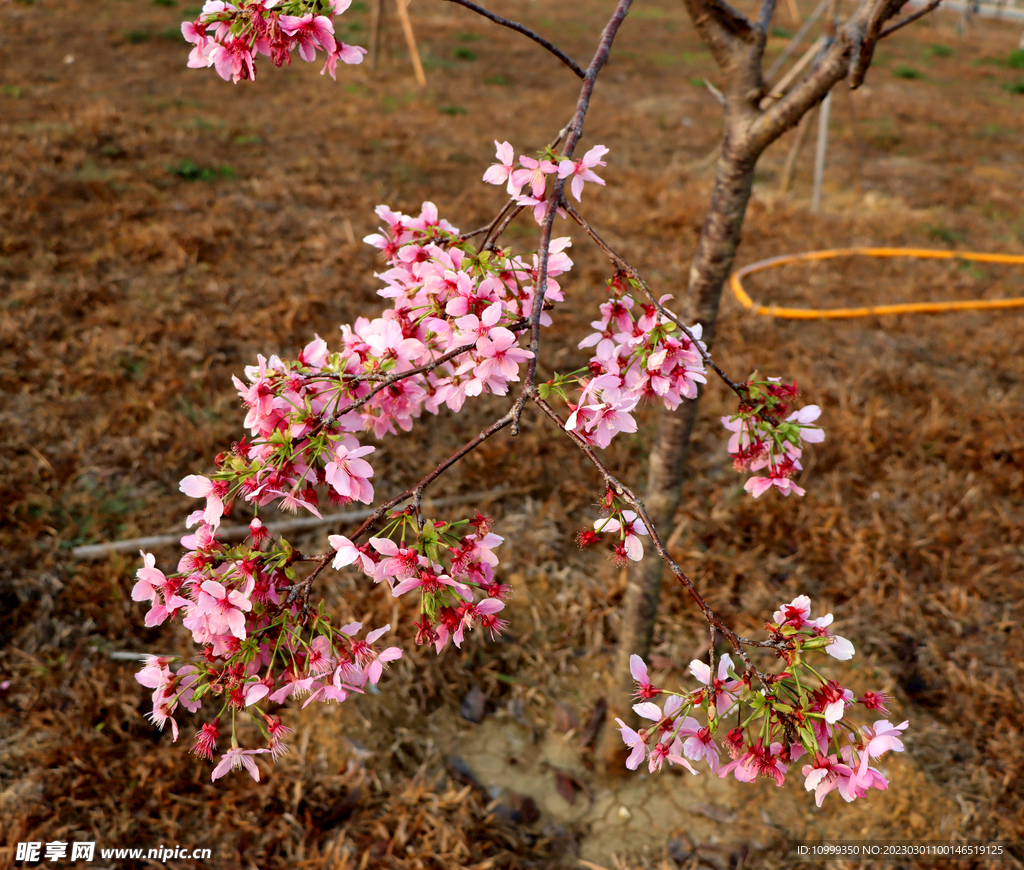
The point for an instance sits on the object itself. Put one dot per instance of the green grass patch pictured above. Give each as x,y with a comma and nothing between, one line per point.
464,53
496,80
907,72
136,37
1014,87
189,170
452,110
11,91
1016,59
940,51
170,4
782,33
940,233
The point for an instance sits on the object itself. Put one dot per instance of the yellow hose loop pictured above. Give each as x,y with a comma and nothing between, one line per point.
736,283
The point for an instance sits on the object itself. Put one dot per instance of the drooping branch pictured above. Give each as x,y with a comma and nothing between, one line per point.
623,266
572,136
520,28
626,495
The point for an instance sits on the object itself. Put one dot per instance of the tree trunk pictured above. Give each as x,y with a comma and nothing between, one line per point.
716,252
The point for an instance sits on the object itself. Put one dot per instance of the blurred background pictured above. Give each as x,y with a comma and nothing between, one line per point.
160,227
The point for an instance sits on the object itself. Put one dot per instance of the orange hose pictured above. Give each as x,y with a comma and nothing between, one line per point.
736,283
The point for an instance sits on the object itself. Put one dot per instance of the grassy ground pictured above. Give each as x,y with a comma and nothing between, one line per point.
159,227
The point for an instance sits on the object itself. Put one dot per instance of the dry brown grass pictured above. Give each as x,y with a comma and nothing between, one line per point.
131,294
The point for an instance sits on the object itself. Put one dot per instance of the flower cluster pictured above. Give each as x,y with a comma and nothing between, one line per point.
638,354
780,718
229,36
533,171
254,651
446,563
259,648
451,332
767,436
626,524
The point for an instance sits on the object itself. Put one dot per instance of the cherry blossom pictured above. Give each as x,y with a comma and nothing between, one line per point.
501,172
235,758
725,690
582,170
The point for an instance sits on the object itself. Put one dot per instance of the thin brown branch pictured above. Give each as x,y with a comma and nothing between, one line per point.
519,28
491,241
575,130
626,495
764,16
910,19
623,266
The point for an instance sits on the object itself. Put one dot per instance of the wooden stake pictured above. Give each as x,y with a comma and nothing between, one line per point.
376,14
794,151
794,12
410,41
819,153
795,41
775,92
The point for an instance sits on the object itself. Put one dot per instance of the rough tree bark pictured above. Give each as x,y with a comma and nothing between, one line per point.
751,123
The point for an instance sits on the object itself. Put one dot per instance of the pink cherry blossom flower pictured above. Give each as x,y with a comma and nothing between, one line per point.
726,691
370,660
501,171
472,613
634,740
400,562
294,683
827,774
697,743
539,204
638,669
797,613
235,758
206,740
675,756
882,737
232,60
311,32
757,761
832,699
348,553
226,610
533,173
277,732
213,491
632,526
432,583
582,170
803,418
348,473
156,673
350,54
500,356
